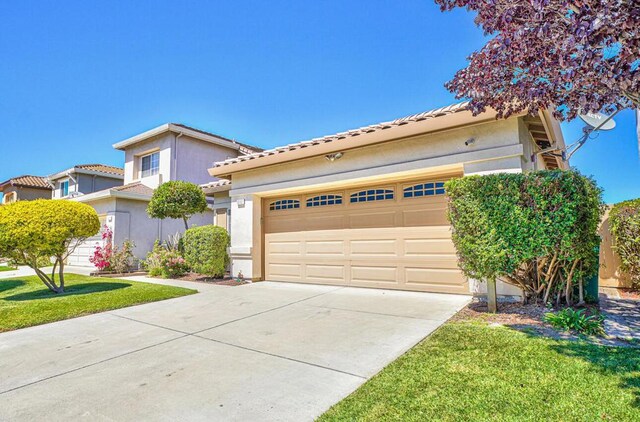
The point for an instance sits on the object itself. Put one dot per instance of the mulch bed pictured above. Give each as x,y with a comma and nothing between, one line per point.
527,318
199,278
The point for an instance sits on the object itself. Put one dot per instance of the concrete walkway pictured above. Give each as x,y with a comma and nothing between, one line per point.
264,351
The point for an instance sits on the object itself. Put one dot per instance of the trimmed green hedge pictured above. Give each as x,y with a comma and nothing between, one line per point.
624,220
205,249
537,230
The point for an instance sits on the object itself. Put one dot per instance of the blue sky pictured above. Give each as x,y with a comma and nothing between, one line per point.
77,77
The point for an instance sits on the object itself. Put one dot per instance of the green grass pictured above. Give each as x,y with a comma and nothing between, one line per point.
470,371
25,301
6,268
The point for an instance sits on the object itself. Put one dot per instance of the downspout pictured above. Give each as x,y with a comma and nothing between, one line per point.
175,156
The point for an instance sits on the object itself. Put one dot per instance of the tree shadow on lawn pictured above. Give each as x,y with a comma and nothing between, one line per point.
72,290
608,360
6,285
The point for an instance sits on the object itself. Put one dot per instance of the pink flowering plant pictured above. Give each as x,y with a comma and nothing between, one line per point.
101,257
111,258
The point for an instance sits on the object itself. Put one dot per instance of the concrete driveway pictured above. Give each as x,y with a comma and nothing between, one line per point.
266,351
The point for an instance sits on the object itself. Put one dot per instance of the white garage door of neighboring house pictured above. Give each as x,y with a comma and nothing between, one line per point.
80,257
393,236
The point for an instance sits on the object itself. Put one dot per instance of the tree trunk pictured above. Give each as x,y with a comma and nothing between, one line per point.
186,224
492,297
61,274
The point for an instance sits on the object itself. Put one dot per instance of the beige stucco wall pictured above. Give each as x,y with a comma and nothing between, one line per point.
128,220
181,158
500,146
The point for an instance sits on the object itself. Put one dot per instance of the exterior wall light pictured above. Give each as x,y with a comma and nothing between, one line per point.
334,157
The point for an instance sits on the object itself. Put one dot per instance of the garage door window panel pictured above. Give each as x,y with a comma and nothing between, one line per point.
323,200
424,189
371,195
284,204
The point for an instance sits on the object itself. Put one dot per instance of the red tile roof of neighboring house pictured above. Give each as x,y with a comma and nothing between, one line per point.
135,187
432,114
28,181
103,168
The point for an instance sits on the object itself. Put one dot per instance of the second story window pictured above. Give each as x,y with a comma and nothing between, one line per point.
150,164
64,188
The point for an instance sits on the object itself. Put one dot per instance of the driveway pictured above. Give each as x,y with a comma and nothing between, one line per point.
265,351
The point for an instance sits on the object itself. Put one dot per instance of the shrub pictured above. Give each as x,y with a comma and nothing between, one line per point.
165,263
625,228
110,257
205,249
34,231
537,231
571,320
177,199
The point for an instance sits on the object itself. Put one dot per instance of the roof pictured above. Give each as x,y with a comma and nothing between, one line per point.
135,191
248,148
103,168
28,181
190,131
99,169
136,187
219,185
343,137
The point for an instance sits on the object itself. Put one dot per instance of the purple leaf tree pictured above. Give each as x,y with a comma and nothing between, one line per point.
571,57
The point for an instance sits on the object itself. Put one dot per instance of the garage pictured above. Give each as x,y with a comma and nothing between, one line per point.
384,235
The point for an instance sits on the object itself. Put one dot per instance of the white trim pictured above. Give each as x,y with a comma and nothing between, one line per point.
168,127
111,193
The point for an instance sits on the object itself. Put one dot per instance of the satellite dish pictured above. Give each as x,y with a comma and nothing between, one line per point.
598,121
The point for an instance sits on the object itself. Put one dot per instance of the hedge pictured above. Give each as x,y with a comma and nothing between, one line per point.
205,250
537,230
624,219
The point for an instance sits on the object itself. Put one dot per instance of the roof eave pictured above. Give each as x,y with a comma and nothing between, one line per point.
346,142
169,127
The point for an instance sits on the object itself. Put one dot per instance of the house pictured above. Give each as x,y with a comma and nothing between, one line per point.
84,179
25,188
367,207
168,152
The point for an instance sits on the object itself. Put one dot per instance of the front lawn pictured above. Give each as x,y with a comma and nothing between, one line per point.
25,301
473,371
6,268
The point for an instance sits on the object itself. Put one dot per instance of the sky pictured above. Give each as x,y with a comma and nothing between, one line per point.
79,76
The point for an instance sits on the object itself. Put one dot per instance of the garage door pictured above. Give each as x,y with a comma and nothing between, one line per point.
393,236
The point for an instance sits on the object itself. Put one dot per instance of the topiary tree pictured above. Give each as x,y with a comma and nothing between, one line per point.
205,249
624,219
177,199
537,231
31,231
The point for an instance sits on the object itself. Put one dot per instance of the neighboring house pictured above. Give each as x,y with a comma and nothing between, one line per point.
84,179
25,188
169,152
367,207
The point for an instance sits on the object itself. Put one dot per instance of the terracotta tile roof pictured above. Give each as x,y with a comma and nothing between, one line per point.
29,181
216,184
244,148
344,136
135,187
101,168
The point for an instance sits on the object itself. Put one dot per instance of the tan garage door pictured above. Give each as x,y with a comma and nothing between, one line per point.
393,236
